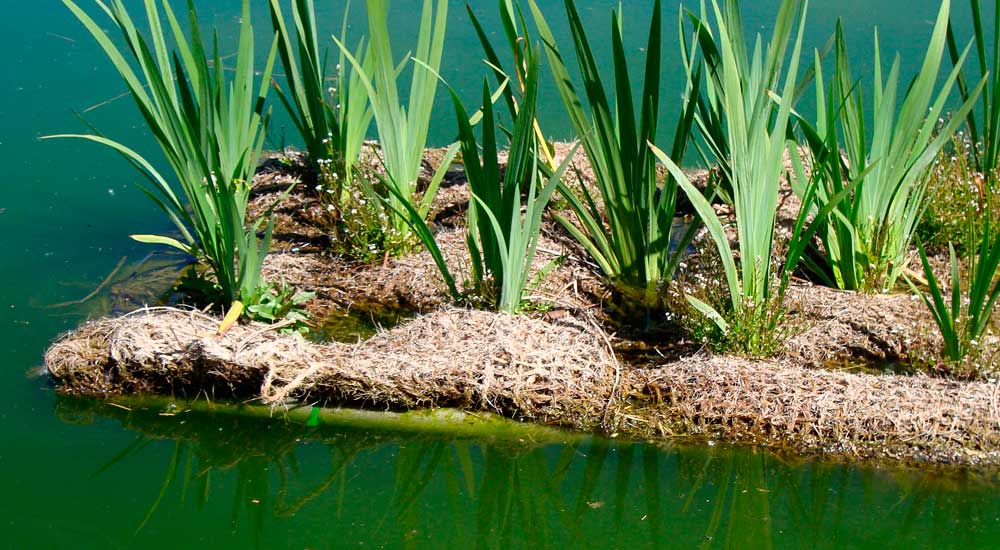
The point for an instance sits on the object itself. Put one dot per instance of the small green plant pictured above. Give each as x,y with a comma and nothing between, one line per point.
964,312
631,238
402,129
211,130
957,201
281,302
756,123
965,318
866,239
364,230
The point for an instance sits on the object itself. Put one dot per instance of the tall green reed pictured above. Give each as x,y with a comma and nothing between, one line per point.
503,225
210,129
503,232
702,51
512,82
631,238
985,134
888,151
756,125
330,112
402,128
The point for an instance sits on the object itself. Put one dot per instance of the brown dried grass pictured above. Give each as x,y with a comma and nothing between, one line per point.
413,282
783,405
410,282
512,365
560,373
837,328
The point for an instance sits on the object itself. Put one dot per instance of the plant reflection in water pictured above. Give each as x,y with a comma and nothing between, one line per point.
407,489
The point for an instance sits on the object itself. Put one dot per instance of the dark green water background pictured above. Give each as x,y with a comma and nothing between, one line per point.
71,477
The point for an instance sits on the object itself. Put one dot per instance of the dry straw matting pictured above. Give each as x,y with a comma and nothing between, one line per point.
561,372
468,359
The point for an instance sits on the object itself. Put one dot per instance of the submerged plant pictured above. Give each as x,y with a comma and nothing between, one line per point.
888,156
632,239
402,128
209,127
755,123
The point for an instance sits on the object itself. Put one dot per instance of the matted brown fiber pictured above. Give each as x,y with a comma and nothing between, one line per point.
517,366
558,372
781,405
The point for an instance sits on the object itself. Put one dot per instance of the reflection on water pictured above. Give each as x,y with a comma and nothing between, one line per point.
132,284
327,487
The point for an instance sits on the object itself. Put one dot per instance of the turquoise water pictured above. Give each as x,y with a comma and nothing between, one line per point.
66,209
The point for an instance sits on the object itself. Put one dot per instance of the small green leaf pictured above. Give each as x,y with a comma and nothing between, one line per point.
709,312
159,239
313,417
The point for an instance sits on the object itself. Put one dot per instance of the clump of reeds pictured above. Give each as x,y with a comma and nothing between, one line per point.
962,300
751,122
965,216
885,152
402,127
632,238
332,114
211,129
506,204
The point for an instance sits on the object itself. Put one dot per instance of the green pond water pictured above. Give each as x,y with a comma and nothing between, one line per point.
78,474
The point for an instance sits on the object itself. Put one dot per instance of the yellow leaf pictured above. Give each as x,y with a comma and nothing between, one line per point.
232,316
